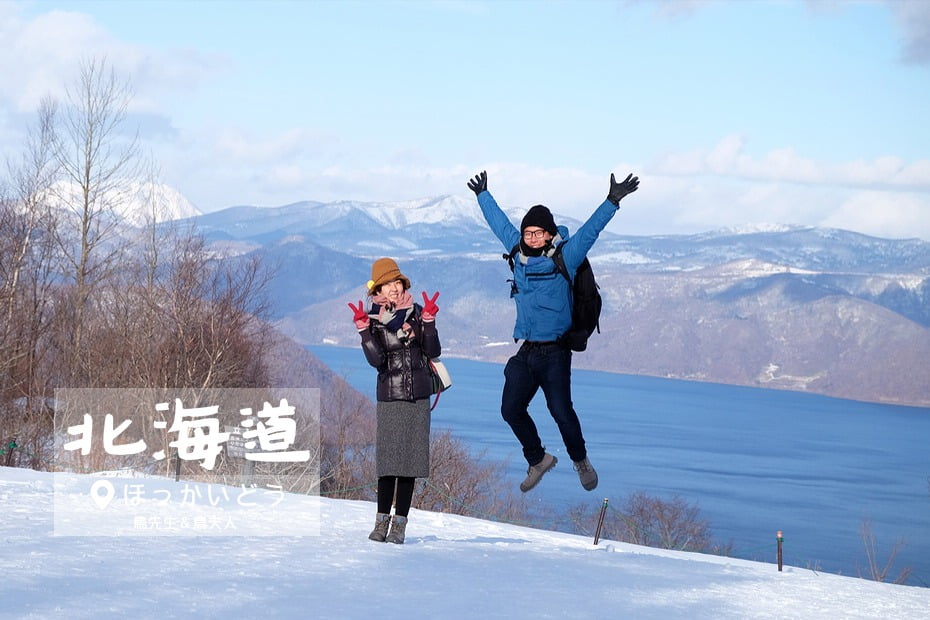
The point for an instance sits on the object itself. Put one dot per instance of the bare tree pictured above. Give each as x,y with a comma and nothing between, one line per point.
214,313
26,253
98,162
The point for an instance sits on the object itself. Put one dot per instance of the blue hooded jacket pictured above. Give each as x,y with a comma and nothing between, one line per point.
543,295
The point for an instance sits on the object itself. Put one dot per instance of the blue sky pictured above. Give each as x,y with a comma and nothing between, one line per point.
731,112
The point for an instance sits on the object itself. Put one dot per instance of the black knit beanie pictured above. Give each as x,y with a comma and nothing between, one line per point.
539,216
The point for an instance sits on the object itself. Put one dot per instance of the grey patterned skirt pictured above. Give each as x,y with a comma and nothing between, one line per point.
402,447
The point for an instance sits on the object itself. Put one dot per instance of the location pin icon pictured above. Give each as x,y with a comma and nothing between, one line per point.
102,493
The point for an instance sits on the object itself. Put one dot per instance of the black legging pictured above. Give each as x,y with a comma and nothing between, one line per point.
404,485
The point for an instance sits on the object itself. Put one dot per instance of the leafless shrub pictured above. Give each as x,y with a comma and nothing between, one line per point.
652,522
347,430
460,483
876,570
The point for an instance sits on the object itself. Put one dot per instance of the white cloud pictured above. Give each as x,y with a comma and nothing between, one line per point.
32,68
913,18
726,155
728,158
40,56
883,214
239,146
914,174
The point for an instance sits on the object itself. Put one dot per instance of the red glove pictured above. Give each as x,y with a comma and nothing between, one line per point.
361,317
429,307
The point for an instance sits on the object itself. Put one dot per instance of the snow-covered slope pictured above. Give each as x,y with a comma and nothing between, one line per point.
450,567
136,202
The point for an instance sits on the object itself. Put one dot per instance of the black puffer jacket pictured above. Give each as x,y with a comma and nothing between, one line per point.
402,370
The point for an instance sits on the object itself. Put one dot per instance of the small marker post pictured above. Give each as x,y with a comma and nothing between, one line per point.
8,450
600,522
779,539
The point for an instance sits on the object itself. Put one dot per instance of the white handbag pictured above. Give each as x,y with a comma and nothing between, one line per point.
442,381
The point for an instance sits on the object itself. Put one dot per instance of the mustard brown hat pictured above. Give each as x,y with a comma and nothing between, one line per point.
385,270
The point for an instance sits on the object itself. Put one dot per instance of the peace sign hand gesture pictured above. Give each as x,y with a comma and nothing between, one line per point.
361,317
429,307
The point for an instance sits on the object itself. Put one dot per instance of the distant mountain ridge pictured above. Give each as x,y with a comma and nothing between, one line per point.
815,309
441,224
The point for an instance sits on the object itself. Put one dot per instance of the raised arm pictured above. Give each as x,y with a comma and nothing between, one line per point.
497,220
578,245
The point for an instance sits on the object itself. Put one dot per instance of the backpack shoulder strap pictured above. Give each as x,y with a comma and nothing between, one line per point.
509,257
559,261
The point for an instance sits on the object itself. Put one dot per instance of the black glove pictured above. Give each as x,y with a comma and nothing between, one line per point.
619,190
479,183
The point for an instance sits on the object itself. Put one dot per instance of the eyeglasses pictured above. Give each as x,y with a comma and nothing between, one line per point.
533,234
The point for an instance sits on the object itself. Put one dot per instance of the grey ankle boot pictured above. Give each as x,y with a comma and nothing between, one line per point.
586,474
535,472
398,529
382,521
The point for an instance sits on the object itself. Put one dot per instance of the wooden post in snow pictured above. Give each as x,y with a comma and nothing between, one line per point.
780,539
600,522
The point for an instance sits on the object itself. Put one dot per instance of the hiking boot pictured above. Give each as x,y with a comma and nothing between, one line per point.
535,472
586,474
398,528
382,521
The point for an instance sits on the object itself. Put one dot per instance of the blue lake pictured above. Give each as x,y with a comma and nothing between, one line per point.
755,461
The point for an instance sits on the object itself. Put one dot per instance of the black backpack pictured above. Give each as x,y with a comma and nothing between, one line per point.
586,300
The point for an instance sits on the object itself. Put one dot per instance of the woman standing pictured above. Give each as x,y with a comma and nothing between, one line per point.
398,337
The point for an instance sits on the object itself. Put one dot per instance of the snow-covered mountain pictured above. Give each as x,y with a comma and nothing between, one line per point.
451,225
443,211
833,311
411,228
137,203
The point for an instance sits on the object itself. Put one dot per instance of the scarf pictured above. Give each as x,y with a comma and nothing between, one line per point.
393,316
546,250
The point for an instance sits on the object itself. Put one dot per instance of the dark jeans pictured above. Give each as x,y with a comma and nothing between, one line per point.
546,366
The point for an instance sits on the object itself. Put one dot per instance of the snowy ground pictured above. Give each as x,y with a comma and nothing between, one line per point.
451,567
